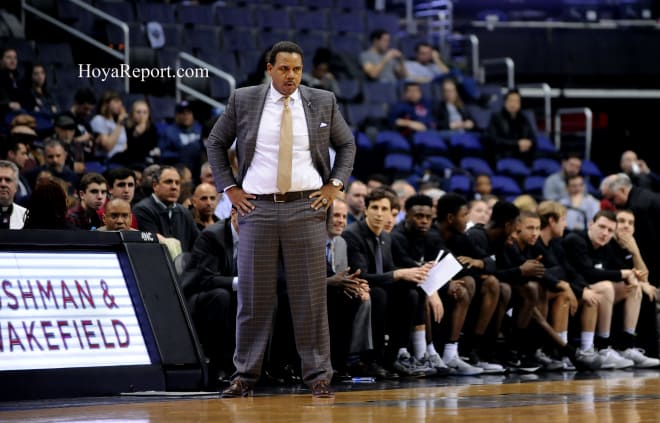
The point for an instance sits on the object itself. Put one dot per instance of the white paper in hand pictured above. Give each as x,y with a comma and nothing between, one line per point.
441,273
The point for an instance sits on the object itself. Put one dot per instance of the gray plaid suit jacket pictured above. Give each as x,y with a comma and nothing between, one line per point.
240,122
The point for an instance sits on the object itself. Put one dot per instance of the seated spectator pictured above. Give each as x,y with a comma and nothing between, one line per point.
356,192
11,93
639,172
203,203
380,62
160,213
182,140
412,113
478,213
142,137
92,193
121,184
451,114
320,75
483,186
581,206
48,207
525,202
17,153
64,131
12,215
82,109
554,186
55,156
510,132
117,216
38,97
109,126
259,75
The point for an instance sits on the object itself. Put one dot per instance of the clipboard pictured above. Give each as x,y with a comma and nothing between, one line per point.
446,267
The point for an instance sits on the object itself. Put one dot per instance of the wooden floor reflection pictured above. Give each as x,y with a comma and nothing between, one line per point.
628,397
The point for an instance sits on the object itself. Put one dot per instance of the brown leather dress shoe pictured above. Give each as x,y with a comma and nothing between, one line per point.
321,389
238,388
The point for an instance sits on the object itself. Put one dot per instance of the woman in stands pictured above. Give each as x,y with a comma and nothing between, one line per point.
38,97
142,137
109,126
451,114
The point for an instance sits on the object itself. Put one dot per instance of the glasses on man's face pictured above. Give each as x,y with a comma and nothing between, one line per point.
117,216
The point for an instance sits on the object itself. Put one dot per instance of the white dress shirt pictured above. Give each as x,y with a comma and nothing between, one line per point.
261,176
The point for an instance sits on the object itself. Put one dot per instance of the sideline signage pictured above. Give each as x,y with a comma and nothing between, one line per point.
67,310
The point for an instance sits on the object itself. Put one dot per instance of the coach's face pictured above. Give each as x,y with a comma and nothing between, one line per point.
286,73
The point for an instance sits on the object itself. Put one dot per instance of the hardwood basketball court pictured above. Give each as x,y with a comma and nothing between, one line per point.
612,396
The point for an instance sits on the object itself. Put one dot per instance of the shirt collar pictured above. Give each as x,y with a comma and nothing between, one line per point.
163,205
276,96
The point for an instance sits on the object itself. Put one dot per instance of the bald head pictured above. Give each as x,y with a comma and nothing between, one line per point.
117,215
205,199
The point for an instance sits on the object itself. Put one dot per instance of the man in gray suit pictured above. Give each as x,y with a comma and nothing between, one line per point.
282,190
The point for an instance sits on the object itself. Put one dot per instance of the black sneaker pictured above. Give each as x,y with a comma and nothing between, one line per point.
517,362
375,370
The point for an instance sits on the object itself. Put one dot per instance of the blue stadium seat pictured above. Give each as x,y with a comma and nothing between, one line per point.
243,40
512,166
162,108
544,145
351,44
504,186
533,185
311,20
354,21
382,20
351,5
349,89
438,165
362,142
545,166
268,18
358,113
203,38
196,14
466,143
475,166
461,184
398,162
235,16
309,41
158,12
380,92
480,116
55,53
120,10
392,141
590,169
429,143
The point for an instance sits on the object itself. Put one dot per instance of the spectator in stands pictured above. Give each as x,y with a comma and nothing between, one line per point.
593,255
55,156
117,216
510,132
38,97
391,220
259,75
403,190
618,188
209,282
483,186
10,88
380,62
392,289
144,187
92,193
142,137
82,109
478,213
160,213
28,136
525,202
12,215
554,187
427,66
64,131
412,113
581,206
121,184
639,172
109,126
320,75
182,140
376,180
204,201
451,114
48,206
356,191
17,153
206,174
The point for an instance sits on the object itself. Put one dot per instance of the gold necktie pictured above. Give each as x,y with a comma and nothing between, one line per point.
285,158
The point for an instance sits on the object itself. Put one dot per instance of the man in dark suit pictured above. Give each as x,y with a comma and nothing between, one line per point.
284,185
208,282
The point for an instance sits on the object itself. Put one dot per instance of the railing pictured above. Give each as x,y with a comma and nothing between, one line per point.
588,127
547,99
124,57
182,87
439,16
506,61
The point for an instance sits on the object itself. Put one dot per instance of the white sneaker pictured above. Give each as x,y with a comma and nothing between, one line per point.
568,365
613,360
641,361
460,367
435,362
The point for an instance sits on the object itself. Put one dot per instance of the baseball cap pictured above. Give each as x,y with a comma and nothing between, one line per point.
65,121
182,106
